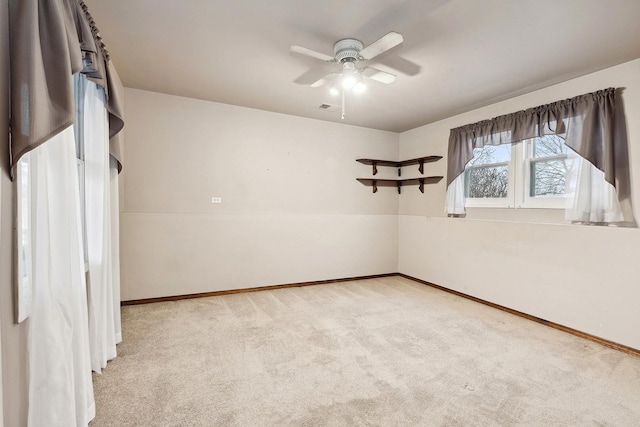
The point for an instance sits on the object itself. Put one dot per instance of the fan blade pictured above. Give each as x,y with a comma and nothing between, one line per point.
398,63
312,53
317,70
378,75
326,79
381,45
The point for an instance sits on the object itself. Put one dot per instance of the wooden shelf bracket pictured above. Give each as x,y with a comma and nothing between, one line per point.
420,161
398,183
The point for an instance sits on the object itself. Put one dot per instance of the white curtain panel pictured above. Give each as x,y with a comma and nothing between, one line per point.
455,196
103,308
60,387
590,198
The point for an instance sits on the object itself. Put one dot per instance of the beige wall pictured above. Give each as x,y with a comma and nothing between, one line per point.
291,211
579,276
14,374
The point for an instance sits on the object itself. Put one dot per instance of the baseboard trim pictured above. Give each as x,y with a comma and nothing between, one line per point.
255,289
603,341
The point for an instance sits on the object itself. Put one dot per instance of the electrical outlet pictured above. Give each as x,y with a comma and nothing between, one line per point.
216,200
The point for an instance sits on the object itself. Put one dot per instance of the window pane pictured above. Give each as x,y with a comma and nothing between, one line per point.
548,177
491,154
487,181
548,146
24,209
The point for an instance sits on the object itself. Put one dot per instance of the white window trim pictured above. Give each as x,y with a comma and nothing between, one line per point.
24,240
523,199
79,89
83,210
519,181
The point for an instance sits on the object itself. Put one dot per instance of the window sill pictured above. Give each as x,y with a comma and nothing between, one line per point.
533,215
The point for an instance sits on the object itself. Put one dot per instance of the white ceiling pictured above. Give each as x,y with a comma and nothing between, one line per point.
457,55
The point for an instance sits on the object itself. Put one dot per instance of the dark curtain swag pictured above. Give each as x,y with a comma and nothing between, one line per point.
587,122
50,40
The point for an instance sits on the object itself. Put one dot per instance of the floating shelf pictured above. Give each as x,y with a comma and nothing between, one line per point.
420,161
375,183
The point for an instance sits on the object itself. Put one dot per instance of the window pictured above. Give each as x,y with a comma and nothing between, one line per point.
24,237
529,174
79,81
487,176
541,171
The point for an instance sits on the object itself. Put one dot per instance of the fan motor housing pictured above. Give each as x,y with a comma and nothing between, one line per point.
347,50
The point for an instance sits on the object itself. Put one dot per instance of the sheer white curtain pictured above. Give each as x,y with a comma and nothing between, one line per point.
75,318
60,387
50,42
591,125
454,204
590,198
103,281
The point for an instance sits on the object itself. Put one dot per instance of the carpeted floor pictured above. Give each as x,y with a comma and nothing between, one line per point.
379,352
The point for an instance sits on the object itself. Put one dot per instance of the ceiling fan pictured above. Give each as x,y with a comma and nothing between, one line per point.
347,52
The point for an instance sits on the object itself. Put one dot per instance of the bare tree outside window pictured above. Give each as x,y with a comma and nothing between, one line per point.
487,174
548,169
488,181
535,173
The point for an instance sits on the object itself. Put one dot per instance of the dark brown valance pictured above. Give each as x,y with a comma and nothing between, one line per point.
587,122
50,40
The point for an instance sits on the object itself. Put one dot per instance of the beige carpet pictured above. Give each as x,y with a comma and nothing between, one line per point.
380,352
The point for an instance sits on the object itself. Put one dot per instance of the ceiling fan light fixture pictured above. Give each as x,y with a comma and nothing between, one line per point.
359,87
349,81
350,75
334,90
347,52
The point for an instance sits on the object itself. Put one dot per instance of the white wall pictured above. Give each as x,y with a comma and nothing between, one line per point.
291,211
587,278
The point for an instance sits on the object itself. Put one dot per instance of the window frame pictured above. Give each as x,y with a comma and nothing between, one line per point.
543,202
78,124
24,236
492,202
519,175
